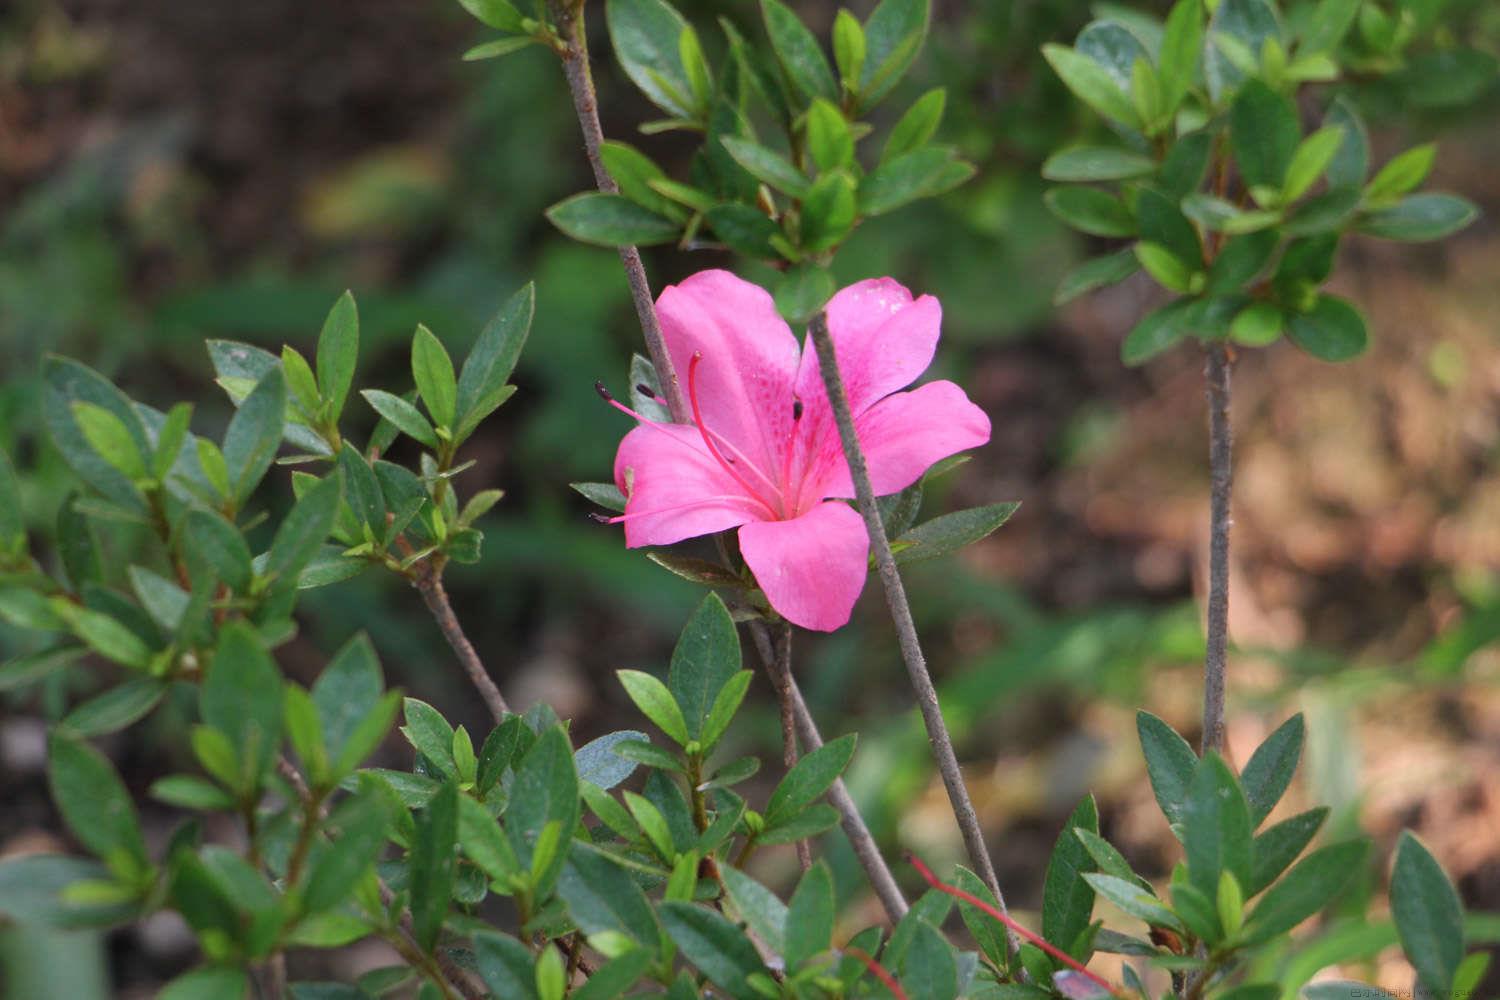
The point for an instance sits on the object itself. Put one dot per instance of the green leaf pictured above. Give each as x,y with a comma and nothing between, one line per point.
614,977
1403,173
93,800
1448,77
170,439
652,823
848,49
917,126
633,171
430,735
300,718
809,778
338,352
484,842
545,790
1170,764
767,166
1270,769
802,291
601,896
188,792
361,489
69,382
254,434
656,702
929,970
497,14
1257,325
1184,166
1245,23
1420,217
161,598
744,229
1326,25
1156,332
809,917
725,705
695,67
241,697
758,907
1166,267
1343,990
1332,331
433,864
1428,914
599,765
211,542
798,52
208,983
103,634
1216,827
893,36
829,140
951,532
828,212
1067,900
1311,159
116,708
1162,221
645,35
494,357
347,693
1264,133
1096,273
433,371
1352,161
1091,211
505,965
988,932
1181,48
717,947
1239,260
110,439
922,173
1133,899
303,530
810,822
1314,883
12,524
1096,163
611,220
336,869
1275,848
30,668
1091,83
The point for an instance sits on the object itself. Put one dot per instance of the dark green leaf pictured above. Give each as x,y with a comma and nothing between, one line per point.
432,370
338,351
241,697
116,708
922,173
1275,848
988,932
1156,332
545,790
1240,260
213,543
1096,273
1445,77
1092,83
598,763
1133,899
1161,221
1264,131
804,825
494,355
1332,331
706,656
1249,22
718,948
1181,48
917,126
802,291
1352,161
208,983
362,489
611,220
1428,914
505,965
798,52
347,691
1216,827
93,799
1067,900
809,916
1314,883
1170,764
254,434
893,37
951,532
602,896
1185,165
161,598
1420,217
188,792
828,212
929,970
645,35
743,229
406,417
767,165
304,529
1270,769
432,864
809,778
758,907
725,705
1097,163
336,869
1091,211
30,668
69,382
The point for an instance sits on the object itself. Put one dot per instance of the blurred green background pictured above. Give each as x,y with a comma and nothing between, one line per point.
172,172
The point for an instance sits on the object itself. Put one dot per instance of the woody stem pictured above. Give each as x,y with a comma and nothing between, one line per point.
906,629
1216,373
575,61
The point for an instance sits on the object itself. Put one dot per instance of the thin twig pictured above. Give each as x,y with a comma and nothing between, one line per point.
850,818
1216,371
781,677
906,629
439,966
429,583
575,60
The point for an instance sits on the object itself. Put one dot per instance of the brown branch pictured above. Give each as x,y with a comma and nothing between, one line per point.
853,823
1216,374
428,580
906,629
780,670
575,61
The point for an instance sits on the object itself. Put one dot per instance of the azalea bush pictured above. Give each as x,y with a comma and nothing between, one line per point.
515,863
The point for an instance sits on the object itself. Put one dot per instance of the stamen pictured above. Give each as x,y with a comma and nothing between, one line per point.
796,410
708,439
699,502
609,398
645,390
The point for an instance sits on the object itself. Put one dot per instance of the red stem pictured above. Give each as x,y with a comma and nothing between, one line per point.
1005,919
880,973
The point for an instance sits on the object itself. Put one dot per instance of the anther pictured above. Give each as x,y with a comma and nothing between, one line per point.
601,518
603,392
645,390
796,410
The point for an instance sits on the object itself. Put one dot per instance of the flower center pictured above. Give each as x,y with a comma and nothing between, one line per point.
730,464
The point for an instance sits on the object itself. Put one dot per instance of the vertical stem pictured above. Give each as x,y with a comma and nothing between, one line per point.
575,60
780,670
906,629
429,583
860,838
1216,372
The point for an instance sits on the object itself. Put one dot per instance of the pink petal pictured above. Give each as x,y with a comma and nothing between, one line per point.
675,489
749,361
883,341
812,567
904,435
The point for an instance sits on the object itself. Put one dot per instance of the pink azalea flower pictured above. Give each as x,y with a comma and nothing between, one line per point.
763,454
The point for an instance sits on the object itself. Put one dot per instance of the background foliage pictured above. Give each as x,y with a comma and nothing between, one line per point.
169,178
